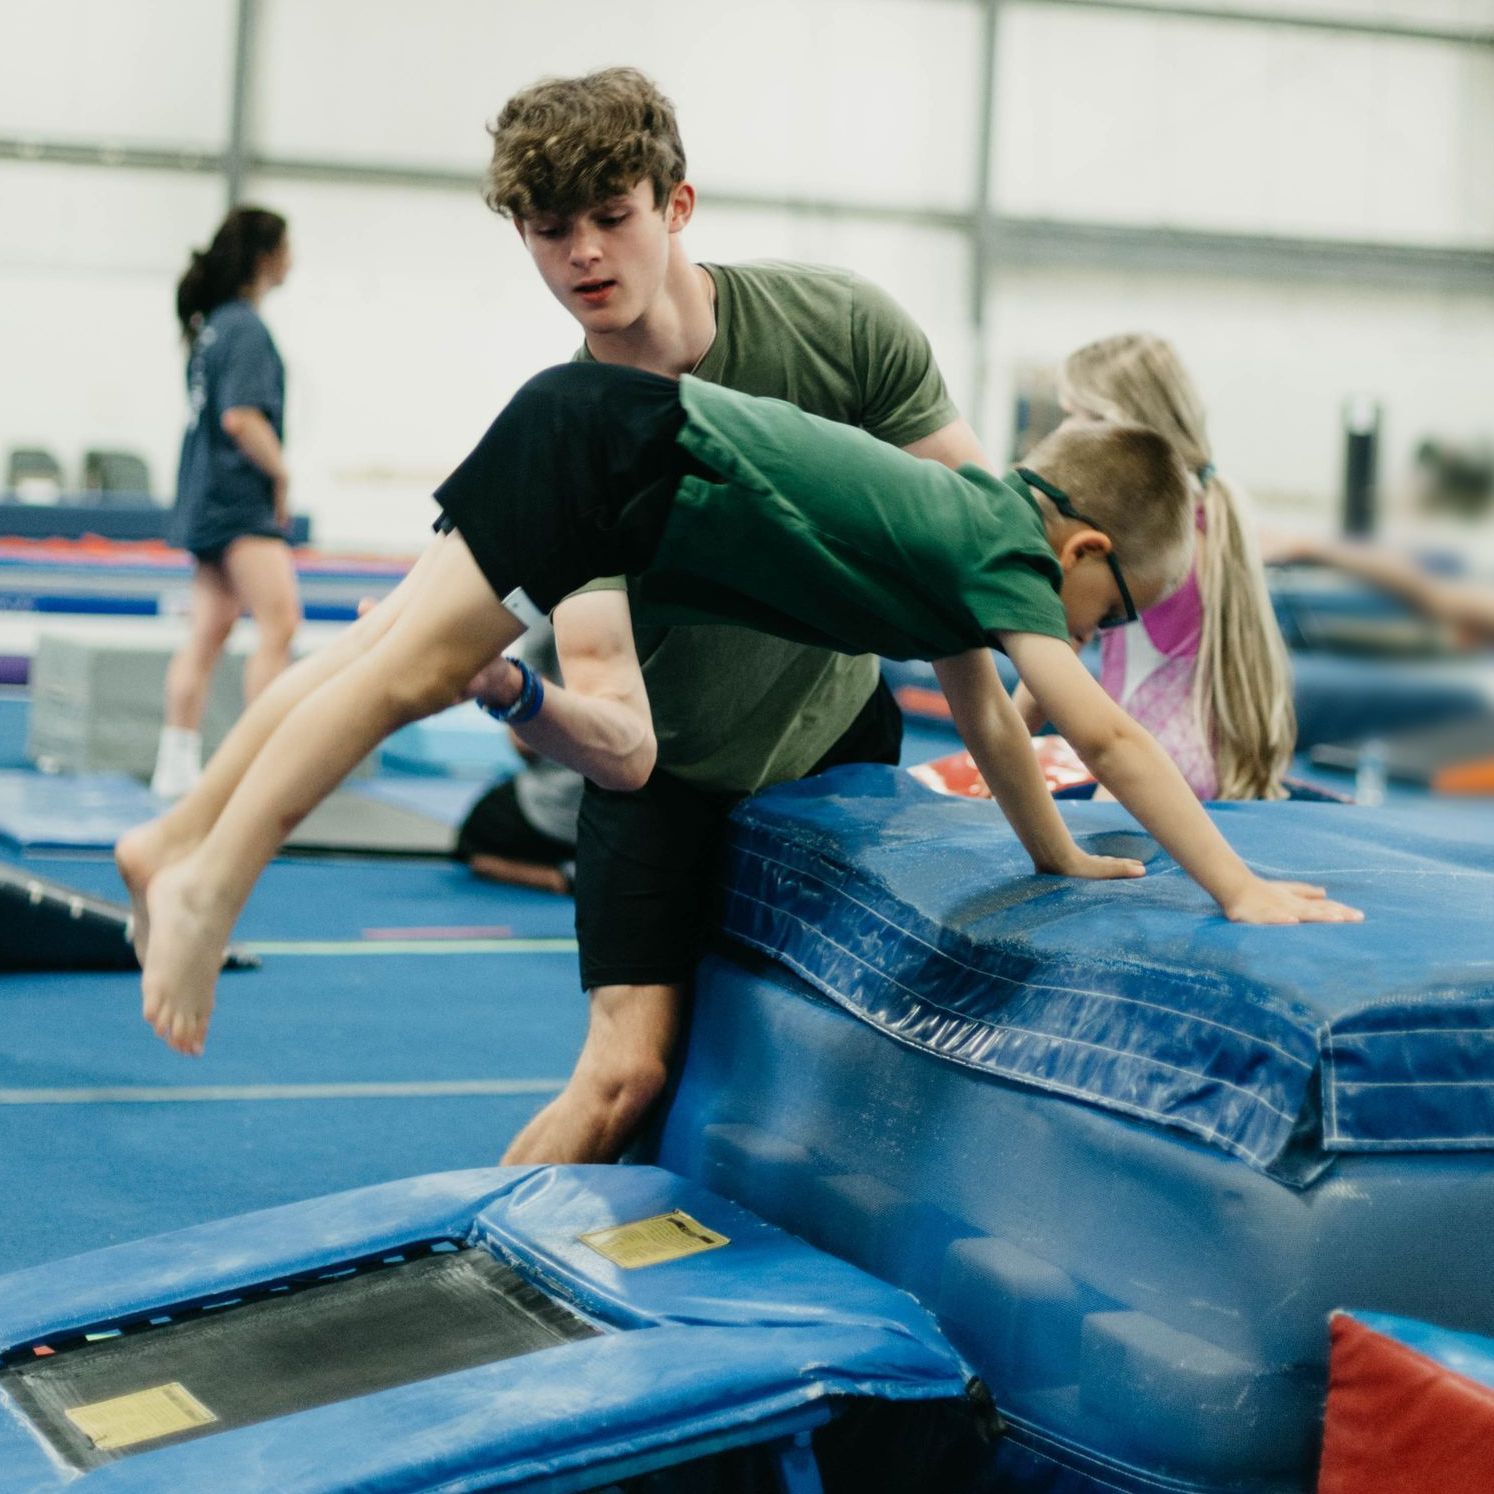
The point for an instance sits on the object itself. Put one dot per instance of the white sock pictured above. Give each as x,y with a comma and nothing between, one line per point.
178,762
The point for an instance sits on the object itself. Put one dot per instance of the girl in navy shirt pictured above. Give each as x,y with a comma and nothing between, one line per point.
231,512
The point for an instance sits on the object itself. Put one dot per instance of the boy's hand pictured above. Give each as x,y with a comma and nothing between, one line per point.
1077,863
1259,901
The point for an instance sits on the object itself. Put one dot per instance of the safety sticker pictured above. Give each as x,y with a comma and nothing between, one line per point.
141,1416
651,1242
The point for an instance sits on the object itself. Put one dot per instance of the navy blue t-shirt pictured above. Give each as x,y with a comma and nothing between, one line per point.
220,493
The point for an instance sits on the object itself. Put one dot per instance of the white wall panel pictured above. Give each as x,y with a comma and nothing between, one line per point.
1244,128
89,261
850,99
136,72
927,270
1452,15
1274,363
408,320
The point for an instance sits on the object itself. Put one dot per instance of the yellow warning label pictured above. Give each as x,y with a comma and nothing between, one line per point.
650,1242
140,1416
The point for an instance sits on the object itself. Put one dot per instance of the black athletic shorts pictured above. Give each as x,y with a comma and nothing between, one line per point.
573,480
648,863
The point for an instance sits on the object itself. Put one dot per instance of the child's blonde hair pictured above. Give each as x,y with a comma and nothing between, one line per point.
1242,688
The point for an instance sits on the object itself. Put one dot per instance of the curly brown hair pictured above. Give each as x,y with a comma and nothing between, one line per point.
566,144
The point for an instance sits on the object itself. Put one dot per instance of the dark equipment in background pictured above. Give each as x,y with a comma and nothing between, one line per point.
1361,452
47,926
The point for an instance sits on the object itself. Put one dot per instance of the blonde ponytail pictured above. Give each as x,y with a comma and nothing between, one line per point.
1242,688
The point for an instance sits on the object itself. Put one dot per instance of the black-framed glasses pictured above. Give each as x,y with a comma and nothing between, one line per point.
1060,501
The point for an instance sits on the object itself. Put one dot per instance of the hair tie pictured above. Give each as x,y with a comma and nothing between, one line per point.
1206,472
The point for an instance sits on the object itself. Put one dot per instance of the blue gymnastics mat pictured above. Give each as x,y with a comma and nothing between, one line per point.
1131,1154
921,914
642,1321
89,811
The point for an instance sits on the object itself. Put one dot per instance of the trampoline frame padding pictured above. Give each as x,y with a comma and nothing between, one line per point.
740,1339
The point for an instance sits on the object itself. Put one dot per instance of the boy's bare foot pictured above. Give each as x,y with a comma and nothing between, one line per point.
190,926
139,854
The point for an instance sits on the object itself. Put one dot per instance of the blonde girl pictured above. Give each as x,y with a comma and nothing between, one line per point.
1205,670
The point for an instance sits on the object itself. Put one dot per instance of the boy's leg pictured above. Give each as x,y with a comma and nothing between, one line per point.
146,849
421,662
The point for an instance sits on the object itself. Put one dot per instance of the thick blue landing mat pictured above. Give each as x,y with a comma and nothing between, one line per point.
724,1339
1150,1313
921,914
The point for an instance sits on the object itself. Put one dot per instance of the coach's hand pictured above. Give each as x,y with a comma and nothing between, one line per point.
497,684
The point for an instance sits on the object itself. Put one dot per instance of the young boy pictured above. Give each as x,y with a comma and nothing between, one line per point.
725,507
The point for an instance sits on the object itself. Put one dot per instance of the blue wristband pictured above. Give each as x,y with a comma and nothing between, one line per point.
525,706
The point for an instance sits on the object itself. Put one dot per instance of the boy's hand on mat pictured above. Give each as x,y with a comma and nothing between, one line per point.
1077,863
1260,901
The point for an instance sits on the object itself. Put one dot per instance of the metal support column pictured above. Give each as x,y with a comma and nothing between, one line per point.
982,223
236,156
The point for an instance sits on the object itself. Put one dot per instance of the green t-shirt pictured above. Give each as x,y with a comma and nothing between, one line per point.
735,710
816,533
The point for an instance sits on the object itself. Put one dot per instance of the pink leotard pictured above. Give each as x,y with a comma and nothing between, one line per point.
1149,668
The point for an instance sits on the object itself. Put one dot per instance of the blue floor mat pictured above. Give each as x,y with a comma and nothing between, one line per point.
85,811
90,811
921,914
444,799
79,1177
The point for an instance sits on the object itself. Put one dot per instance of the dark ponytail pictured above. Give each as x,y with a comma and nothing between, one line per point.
230,263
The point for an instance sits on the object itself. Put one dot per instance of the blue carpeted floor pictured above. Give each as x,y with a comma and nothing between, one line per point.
104,1139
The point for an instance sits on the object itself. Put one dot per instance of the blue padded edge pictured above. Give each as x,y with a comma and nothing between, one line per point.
1468,1354
920,913
734,1336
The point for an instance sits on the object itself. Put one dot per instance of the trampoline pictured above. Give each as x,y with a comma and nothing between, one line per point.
549,1328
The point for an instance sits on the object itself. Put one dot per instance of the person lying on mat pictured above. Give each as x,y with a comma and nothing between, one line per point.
725,507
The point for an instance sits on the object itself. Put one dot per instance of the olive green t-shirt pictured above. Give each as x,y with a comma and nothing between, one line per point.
816,533
733,709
